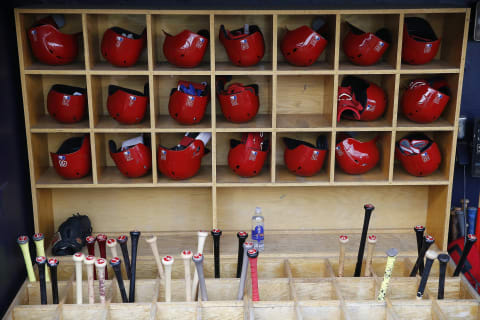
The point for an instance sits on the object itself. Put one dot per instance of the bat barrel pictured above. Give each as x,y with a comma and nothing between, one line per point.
116,266
198,259
427,242
53,265
122,240
246,246
361,249
216,234
443,260
419,231
242,236
41,275
134,235
431,256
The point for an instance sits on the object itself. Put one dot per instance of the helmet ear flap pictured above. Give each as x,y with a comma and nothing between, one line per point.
204,33
384,34
234,143
322,142
112,146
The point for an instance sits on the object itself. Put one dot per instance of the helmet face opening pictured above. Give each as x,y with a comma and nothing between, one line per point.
185,49
364,48
122,48
72,159
243,49
420,43
303,158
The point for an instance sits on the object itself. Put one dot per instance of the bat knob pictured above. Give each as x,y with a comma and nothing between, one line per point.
443,258
216,233
122,239
78,257
100,263
101,238
419,228
471,238
89,259
115,262
202,234
368,207
197,258
135,234
38,237
343,239
372,238
252,253
40,260
111,242
392,252
247,245
22,240
432,255
52,262
187,254
242,235
167,260
152,239
429,239
90,239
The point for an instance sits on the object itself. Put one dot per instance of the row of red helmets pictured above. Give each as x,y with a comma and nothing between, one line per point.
423,101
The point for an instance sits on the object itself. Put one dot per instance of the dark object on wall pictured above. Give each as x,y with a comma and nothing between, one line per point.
476,149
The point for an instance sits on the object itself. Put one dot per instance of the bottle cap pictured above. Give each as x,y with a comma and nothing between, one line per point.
258,210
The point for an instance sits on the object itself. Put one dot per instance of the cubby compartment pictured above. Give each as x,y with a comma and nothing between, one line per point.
371,310
222,289
310,268
263,119
40,119
174,24
404,288
305,102
72,26
325,61
213,310
102,120
447,118
30,294
225,174
421,310
177,310
449,28
320,310
140,311
71,295
387,83
97,24
371,23
163,86
455,288
283,173
237,21
265,310
459,310
228,267
402,266
272,289
145,290
84,311
315,290
35,312
357,288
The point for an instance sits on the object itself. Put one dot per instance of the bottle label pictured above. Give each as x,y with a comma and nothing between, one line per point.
257,233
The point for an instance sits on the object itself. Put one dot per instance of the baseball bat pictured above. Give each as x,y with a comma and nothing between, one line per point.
91,252
419,231
112,244
23,243
391,257
342,240
122,240
134,235
241,287
443,259
167,263
216,234
252,258
116,263
368,213
101,264
372,241
202,236
471,239
52,266
242,236
427,242
153,245
187,256
89,263
102,246
198,259
38,239
431,256
41,275
78,259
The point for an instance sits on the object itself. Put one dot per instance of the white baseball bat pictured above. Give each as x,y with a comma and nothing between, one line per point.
78,259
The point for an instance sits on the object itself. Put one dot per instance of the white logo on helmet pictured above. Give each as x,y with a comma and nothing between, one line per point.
34,34
379,46
119,41
190,101
428,48
425,157
163,155
244,44
253,156
315,155
233,100
128,155
200,43
66,100
132,100
437,98
62,162
339,151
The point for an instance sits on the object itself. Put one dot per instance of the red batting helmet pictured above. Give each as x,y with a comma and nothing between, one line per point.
303,158
356,157
418,154
121,47
72,160
424,101
188,108
243,49
246,157
359,99
127,106
186,49
239,103
134,161
66,104
49,45
420,44
365,48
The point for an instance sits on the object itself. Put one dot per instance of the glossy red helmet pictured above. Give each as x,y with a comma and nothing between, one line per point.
133,161
418,154
72,160
186,49
246,157
188,107
424,101
121,47
66,104
182,161
420,44
243,49
303,158
359,99
49,45
365,48
127,106
356,157
239,103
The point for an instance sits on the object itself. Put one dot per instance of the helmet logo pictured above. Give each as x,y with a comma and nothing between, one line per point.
200,43
428,48
369,107
339,151
315,155
425,157
128,155
62,162
253,156
66,100
196,152
34,34
119,41
190,101
233,100
379,46
437,98
315,40
244,44
131,100
163,155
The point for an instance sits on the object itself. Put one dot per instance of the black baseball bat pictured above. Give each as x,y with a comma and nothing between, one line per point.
41,275
116,263
122,240
419,231
242,236
431,256
427,242
216,233
134,235
443,260
368,213
52,265
471,239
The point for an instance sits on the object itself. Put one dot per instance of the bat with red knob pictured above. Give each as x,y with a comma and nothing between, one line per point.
419,232
89,263
102,245
23,243
241,288
167,262
101,265
342,240
252,258
187,256
471,239
216,234
41,275
116,263
38,238
202,236
122,240
78,259
52,266
372,241
134,235
427,242
368,213
91,251
112,244
242,236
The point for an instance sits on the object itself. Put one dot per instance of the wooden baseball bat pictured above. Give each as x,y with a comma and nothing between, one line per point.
90,240
242,236
102,246
38,239
202,236
112,244
116,263
41,275
252,258
122,240
372,241
78,259
53,265
153,245
391,257
471,239
23,243
187,256
342,240
431,256
134,235
216,234
241,287
167,263
443,260
89,263
101,264
427,242
368,213
198,259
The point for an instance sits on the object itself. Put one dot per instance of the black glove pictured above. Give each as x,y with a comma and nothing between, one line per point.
70,237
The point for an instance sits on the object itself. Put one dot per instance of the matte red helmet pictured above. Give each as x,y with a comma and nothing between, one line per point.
133,161
424,101
246,157
365,48
66,104
471,268
127,106
303,158
182,161
418,154
356,157
420,44
243,49
121,47
72,160
49,45
188,102
359,99
239,103
185,49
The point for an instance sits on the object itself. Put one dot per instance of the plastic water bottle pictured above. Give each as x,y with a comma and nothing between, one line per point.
257,230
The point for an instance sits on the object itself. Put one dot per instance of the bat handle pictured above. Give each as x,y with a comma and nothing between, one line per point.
392,256
471,239
443,260
102,246
91,252
23,243
112,244
89,263
198,259
241,287
167,262
187,256
41,275
123,245
216,233
116,263
419,232
38,238
153,245
101,264
372,241
134,235
252,257
427,242
52,265
343,240
242,236
78,259
202,236
431,256
361,249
